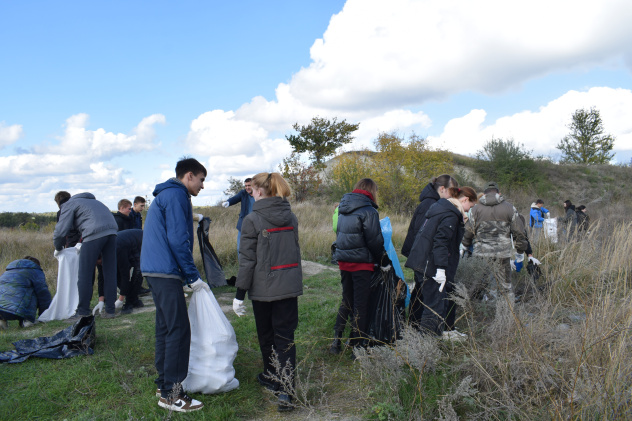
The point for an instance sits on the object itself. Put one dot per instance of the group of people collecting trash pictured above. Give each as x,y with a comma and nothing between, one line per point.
450,222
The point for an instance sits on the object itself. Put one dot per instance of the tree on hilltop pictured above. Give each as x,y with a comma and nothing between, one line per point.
321,138
586,143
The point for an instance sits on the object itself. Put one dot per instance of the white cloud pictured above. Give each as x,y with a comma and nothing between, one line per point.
542,130
9,134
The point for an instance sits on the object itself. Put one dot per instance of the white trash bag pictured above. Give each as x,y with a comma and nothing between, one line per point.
213,347
550,229
66,298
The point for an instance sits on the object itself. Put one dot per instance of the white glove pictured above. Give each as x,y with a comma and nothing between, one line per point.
513,265
238,307
519,258
461,253
99,307
200,285
440,279
225,204
199,217
534,260
56,253
385,268
117,304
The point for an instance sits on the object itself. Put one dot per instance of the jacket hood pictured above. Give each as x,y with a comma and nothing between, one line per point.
85,195
23,264
491,199
352,201
429,191
122,215
275,210
571,207
172,183
443,206
534,205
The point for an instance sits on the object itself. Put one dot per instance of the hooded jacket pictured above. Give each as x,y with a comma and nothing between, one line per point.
493,222
123,221
436,244
23,289
85,214
167,250
269,254
359,235
536,216
570,219
427,198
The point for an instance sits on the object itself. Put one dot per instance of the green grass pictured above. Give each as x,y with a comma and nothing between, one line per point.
117,381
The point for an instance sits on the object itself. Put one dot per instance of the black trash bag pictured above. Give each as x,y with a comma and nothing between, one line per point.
333,251
212,266
387,304
78,339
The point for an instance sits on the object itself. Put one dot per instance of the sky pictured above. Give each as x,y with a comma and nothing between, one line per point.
106,97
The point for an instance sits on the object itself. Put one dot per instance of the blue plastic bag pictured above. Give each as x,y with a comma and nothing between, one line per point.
387,233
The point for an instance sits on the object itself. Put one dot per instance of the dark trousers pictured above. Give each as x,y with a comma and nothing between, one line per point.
439,311
356,290
173,333
416,308
129,286
276,322
90,251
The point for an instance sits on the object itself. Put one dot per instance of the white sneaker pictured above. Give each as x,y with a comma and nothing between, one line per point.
26,323
3,324
453,335
183,403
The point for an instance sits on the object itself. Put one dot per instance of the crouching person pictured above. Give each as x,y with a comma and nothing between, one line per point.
270,271
23,290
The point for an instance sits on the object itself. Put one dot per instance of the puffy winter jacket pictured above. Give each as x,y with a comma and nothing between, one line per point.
85,214
583,221
23,289
167,250
427,198
437,243
536,216
269,255
493,222
359,235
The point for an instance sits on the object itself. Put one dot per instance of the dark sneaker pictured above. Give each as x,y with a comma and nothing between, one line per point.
268,384
183,403
138,304
127,309
285,403
144,291
108,315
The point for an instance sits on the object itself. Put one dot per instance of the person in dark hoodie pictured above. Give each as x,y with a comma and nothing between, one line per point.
122,217
569,220
438,188
167,262
359,247
98,228
270,271
583,220
434,257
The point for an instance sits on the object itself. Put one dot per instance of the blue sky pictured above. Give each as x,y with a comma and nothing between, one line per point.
106,96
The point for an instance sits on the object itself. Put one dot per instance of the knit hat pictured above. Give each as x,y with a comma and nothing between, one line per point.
491,185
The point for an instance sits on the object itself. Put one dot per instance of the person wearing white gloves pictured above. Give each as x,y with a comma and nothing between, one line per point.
434,257
167,263
270,271
247,201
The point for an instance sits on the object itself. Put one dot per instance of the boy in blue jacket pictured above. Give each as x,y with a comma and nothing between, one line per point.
536,218
167,262
23,290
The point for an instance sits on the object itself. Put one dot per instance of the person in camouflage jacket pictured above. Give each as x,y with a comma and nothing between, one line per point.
493,222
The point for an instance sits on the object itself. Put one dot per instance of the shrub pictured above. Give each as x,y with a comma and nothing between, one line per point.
507,162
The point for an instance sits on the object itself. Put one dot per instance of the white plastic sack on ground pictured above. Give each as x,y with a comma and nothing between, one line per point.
66,298
550,229
213,347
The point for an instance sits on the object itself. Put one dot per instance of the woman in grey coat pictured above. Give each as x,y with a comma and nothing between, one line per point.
270,271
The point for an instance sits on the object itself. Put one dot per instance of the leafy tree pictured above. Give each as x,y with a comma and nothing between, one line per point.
586,143
321,138
345,173
235,185
303,178
506,162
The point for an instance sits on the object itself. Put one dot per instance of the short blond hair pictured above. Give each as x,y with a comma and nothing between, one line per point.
124,202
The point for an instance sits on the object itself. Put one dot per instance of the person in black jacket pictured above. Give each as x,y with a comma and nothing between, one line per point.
123,220
128,246
437,188
583,220
434,257
359,247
